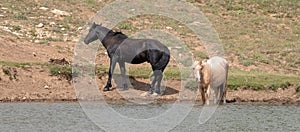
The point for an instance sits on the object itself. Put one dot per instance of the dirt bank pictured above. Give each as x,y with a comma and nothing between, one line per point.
35,84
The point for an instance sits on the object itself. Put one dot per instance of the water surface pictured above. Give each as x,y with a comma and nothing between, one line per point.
70,117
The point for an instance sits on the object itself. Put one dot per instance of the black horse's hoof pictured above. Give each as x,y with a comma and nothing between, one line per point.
106,89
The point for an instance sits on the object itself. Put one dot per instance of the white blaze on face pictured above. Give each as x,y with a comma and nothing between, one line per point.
196,67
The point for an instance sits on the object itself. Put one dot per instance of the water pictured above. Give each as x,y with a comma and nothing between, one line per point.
70,117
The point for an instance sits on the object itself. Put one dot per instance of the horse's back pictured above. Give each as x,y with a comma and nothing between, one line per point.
137,51
219,70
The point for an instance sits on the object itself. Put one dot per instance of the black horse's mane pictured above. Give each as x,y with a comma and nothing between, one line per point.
118,34
111,35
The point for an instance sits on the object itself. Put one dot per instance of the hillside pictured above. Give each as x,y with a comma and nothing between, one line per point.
260,39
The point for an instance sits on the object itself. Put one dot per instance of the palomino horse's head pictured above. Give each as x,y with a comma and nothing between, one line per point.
196,67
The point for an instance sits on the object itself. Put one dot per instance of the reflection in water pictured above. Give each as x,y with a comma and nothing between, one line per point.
70,117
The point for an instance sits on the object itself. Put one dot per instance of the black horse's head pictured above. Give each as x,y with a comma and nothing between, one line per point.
92,35
97,31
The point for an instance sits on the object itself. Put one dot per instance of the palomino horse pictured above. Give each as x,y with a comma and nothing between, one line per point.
211,75
122,49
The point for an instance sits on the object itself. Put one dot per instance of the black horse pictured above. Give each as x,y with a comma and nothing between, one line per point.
122,49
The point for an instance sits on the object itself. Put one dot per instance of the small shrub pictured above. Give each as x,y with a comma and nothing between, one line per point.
6,71
54,39
101,71
298,89
20,16
273,87
17,28
233,86
126,26
64,71
33,32
229,6
202,55
64,25
255,87
247,63
191,85
285,85
15,76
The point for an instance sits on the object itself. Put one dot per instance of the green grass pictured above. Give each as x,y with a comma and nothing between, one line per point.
54,39
20,64
145,72
259,80
63,71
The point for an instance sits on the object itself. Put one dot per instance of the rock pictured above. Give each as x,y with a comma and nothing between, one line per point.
145,94
60,12
1,15
62,61
52,23
46,87
170,28
40,25
34,54
44,8
37,41
79,28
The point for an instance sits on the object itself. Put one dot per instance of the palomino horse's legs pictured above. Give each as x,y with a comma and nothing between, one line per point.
223,97
207,94
202,95
123,72
110,73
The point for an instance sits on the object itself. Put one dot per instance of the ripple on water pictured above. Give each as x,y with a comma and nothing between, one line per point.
70,117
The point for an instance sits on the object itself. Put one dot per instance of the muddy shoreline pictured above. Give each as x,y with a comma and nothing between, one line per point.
233,101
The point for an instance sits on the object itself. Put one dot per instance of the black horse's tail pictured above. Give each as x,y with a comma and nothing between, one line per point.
163,61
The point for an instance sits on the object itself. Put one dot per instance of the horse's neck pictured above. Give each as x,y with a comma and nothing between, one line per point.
102,33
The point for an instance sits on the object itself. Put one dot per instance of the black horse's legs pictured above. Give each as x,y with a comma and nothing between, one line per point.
123,72
159,76
152,85
110,73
